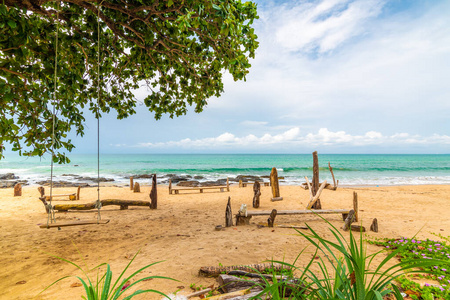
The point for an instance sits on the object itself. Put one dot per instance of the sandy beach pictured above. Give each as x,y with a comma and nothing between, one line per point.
181,233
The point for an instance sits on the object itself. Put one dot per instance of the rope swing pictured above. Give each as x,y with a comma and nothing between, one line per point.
51,221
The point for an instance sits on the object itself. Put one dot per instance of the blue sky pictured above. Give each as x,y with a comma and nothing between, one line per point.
337,76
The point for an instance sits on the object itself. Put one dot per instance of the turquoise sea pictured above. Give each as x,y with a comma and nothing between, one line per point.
349,169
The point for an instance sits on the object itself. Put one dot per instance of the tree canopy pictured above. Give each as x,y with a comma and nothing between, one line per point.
180,49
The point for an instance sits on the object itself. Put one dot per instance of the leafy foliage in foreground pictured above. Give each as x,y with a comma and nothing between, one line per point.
348,272
104,289
178,49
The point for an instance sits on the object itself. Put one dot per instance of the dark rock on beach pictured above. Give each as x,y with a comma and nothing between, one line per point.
4,184
62,183
247,178
94,179
8,176
192,183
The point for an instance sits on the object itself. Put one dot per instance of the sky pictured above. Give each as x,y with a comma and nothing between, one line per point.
336,76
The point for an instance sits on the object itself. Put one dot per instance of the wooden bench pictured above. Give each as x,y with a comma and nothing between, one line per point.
244,184
177,190
241,219
73,196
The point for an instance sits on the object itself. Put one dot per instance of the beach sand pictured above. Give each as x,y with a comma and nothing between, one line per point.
181,233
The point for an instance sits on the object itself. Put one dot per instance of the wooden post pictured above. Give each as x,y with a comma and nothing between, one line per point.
131,183
374,226
256,194
316,197
271,219
154,194
228,185
17,190
240,183
355,205
228,214
78,192
275,185
137,188
41,190
315,180
170,186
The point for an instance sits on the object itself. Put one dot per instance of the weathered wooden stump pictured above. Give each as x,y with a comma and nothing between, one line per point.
242,220
137,188
374,226
154,194
41,191
131,183
229,283
349,220
271,219
315,180
228,214
240,183
256,194
275,185
18,190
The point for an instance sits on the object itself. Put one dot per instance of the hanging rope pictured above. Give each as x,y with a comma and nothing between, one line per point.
50,211
98,204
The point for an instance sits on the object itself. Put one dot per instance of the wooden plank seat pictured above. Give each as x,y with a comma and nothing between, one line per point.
176,190
244,184
72,196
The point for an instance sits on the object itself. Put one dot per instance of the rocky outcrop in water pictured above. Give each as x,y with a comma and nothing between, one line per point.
63,183
8,176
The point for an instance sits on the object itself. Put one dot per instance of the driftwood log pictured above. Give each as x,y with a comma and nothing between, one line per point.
229,283
271,219
228,214
374,225
88,206
315,181
137,188
17,190
314,198
131,183
154,194
358,228
256,194
335,184
216,271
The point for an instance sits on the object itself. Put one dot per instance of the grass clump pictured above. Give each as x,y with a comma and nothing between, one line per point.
103,288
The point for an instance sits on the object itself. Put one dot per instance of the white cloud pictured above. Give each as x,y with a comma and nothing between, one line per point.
253,123
292,137
324,25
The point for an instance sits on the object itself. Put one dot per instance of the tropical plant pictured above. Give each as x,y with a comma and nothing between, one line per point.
179,50
347,271
103,288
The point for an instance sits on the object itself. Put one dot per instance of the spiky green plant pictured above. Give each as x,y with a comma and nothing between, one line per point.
347,271
103,288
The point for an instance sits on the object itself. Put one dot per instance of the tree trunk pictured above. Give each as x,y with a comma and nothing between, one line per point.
228,214
154,194
230,283
315,180
256,194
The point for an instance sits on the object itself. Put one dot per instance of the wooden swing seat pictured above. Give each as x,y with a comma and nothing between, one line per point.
74,223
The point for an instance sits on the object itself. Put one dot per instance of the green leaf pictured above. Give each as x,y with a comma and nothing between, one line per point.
12,24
